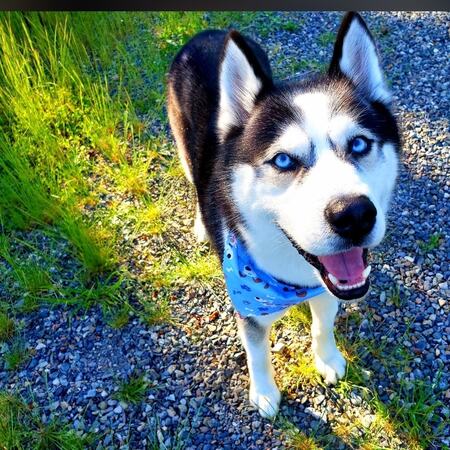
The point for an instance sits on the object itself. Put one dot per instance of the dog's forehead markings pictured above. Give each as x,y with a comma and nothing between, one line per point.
316,114
320,125
295,140
315,106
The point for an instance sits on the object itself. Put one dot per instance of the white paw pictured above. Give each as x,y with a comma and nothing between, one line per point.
266,401
199,230
332,368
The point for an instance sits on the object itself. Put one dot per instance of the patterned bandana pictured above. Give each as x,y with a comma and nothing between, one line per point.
254,292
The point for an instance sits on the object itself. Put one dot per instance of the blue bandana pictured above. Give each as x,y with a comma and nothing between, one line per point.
254,292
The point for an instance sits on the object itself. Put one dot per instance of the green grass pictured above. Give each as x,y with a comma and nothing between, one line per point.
16,355
22,428
409,416
412,413
434,242
294,65
7,327
134,389
295,438
326,38
119,317
74,88
396,297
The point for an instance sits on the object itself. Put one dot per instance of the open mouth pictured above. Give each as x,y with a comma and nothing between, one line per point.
345,274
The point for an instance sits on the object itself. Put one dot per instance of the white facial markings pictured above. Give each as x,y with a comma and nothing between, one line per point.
267,200
315,109
294,141
381,174
342,128
257,201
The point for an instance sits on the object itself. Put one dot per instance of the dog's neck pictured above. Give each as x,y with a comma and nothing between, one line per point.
275,255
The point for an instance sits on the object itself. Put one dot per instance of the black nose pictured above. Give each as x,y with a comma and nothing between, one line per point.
352,217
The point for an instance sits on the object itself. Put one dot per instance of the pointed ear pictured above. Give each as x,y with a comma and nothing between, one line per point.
242,76
356,57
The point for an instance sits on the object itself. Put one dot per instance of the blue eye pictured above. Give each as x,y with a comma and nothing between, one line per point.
283,161
359,145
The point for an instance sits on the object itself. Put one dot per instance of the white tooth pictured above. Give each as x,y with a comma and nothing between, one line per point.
367,271
333,279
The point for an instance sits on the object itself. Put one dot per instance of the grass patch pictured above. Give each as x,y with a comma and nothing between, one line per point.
149,218
294,65
119,317
395,296
22,428
294,437
7,327
299,317
156,311
74,87
326,38
290,26
200,268
412,411
301,371
134,389
16,355
434,242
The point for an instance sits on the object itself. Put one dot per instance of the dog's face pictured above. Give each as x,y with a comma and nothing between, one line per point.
314,162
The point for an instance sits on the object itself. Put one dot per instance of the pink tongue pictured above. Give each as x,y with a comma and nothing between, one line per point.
347,266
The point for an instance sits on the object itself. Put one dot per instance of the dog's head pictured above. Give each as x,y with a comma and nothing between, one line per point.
313,162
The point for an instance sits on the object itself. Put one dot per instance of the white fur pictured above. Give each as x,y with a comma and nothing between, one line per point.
264,394
330,363
360,62
199,227
238,88
293,140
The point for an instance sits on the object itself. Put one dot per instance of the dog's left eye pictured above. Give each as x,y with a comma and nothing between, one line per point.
283,161
359,145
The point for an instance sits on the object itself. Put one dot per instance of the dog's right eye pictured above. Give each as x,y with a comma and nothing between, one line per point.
284,162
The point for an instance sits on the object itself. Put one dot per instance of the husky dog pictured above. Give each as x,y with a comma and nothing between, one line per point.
293,182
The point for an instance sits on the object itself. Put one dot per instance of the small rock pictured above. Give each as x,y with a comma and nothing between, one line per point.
319,399
278,347
367,420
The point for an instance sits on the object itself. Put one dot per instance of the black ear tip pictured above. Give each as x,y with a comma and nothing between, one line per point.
354,15
236,37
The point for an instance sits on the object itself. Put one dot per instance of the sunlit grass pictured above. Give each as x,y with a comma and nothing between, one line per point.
22,428
7,327
134,389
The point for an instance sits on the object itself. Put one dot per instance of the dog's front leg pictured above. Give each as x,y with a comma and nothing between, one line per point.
329,361
254,333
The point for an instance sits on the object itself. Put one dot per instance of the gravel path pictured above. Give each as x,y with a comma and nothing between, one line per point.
197,365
